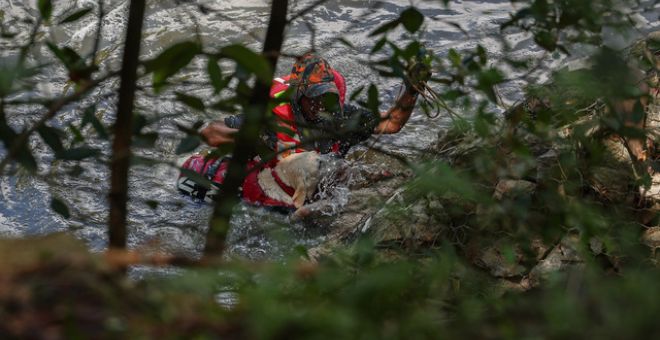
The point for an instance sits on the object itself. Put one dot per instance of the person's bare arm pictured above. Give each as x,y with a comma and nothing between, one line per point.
395,118
217,133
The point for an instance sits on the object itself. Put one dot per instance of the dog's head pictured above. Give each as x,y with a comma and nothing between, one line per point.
301,172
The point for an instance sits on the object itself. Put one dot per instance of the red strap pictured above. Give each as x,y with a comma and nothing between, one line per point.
253,193
289,190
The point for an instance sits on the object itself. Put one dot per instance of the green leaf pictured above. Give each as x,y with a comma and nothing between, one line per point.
188,144
60,207
51,136
170,61
385,27
373,102
413,49
25,158
145,140
190,101
70,58
482,54
547,40
302,251
197,178
378,46
45,8
7,77
639,113
139,123
412,19
346,43
7,35
515,19
454,57
76,16
7,134
77,154
250,61
356,93
487,80
89,117
215,75
77,135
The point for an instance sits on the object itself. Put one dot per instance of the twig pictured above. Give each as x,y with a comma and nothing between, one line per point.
312,39
99,31
121,259
306,10
245,29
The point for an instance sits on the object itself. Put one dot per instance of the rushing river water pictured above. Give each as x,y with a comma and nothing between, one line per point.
178,225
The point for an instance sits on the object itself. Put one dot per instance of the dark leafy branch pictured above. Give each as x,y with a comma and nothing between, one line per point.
19,143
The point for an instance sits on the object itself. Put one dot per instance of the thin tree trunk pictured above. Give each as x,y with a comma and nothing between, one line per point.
121,146
246,138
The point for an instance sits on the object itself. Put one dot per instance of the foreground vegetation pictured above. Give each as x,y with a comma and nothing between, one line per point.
542,222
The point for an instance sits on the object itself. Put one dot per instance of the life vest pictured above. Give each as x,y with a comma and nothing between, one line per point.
288,137
215,170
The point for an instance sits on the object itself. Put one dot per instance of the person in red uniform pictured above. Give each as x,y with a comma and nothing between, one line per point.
318,103
314,117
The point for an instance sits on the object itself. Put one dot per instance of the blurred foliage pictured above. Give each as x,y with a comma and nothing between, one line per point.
547,169
57,289
555,24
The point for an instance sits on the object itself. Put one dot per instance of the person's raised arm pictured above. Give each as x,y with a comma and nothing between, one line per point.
395,118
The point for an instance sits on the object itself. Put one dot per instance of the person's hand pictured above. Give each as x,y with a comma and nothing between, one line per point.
217,133
417,75
419,70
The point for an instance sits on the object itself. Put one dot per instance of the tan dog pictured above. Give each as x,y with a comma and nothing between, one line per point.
293,182
317,182
299,171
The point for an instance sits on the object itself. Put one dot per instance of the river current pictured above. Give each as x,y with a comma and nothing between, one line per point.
177,225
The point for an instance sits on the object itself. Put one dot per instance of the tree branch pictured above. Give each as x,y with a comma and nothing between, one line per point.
121,146
99,30
244,151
